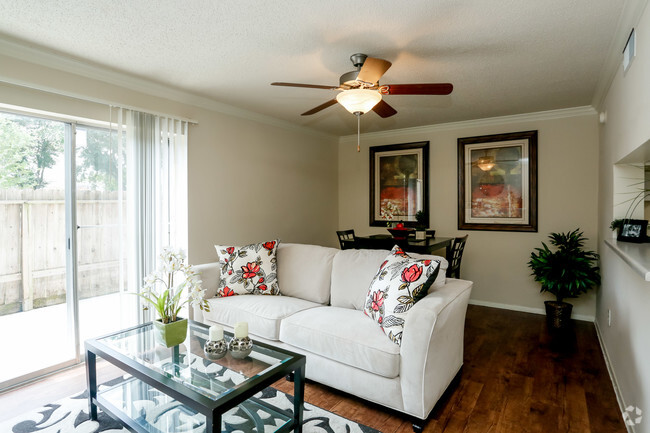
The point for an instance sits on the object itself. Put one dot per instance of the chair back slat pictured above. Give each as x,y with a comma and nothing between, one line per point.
456,256
347,240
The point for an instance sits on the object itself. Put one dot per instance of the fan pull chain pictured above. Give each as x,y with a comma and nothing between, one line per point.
358,131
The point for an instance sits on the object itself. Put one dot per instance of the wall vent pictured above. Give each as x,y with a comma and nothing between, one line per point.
630,51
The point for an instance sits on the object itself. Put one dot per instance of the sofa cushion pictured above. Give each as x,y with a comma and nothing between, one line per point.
400,282
343,335
353,271
251,269
263,313
304,271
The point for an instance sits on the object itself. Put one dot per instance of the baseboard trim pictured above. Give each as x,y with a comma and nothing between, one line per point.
612,376
584,317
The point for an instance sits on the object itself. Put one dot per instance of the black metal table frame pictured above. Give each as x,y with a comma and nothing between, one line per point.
211,409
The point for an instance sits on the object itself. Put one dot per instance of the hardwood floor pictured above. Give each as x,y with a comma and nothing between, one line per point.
517,378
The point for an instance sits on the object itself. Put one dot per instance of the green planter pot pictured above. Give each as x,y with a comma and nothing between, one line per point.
170,334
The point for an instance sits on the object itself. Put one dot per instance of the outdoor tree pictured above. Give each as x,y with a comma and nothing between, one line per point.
28,147
98,161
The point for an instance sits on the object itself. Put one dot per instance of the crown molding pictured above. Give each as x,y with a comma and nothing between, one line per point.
516,118
629,19
47,58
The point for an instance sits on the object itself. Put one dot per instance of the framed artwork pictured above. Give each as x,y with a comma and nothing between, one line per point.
633,231
399,175
497,182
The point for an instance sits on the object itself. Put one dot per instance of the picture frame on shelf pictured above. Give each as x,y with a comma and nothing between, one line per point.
399,177
633,231
497,182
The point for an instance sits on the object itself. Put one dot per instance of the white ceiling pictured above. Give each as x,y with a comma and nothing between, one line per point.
503,57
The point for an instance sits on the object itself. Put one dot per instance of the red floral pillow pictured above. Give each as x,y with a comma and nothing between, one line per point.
248,270
400,282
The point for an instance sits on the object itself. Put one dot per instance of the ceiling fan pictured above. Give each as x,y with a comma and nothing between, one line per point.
361,92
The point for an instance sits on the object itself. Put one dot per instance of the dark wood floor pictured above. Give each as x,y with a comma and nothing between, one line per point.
517,378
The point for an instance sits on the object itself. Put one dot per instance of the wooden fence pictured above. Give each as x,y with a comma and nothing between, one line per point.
32,239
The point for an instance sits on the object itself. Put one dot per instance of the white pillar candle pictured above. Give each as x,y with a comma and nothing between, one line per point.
216,333
241,329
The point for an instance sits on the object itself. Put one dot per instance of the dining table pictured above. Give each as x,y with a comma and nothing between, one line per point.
408,244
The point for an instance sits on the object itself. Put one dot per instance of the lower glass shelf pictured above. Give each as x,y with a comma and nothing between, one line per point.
149,410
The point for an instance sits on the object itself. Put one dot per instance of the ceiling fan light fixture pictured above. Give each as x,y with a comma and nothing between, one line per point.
485,163
358,100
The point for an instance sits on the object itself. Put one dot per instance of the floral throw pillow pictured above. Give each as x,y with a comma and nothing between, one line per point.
248,270
400,282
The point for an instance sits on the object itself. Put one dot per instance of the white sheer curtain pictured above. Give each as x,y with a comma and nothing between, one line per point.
171,177
156,202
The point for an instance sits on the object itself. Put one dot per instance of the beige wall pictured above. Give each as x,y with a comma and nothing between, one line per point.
624,292
249,180
495,261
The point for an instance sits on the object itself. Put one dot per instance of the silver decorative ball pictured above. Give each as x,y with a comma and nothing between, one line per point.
240,348
215,349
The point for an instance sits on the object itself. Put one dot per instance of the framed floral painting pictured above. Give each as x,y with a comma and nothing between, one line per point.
399,175
497,182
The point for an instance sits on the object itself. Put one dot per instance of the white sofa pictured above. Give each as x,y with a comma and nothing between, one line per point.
320,314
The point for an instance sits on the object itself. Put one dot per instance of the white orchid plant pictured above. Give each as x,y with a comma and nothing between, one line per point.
165,294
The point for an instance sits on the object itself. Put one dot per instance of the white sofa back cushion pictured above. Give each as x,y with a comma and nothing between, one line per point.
353,271
304,271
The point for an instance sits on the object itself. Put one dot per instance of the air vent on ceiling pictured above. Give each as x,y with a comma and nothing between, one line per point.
629,52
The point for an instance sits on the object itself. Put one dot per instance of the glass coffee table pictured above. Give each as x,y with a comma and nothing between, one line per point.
179,389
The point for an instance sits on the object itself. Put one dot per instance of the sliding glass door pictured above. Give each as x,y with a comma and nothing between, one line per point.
73,196
34,316
62,234
104,302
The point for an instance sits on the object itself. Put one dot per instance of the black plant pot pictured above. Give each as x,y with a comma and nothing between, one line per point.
558,314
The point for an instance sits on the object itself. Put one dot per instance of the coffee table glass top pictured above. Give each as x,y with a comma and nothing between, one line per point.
187,364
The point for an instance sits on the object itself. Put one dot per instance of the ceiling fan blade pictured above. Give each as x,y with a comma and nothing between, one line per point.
319,108
384,109
416,89
311,86
372,70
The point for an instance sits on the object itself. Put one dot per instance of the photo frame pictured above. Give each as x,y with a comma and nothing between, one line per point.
633,231
497,182
399,178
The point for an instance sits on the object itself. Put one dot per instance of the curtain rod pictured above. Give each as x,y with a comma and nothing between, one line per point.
101,101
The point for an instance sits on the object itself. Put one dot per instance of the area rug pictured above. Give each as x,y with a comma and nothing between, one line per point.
70,415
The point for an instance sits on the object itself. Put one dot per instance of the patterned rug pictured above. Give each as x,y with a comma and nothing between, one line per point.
70,415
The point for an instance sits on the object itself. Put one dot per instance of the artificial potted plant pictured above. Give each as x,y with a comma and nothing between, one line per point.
166,294
628,229
617,225
566,272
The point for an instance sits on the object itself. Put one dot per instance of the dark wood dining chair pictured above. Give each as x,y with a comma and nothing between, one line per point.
456,256
347,239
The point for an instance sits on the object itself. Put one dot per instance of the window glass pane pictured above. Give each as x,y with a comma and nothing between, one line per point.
101,257
33,311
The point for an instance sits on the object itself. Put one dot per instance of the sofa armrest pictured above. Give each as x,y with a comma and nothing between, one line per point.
209,274
432,346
